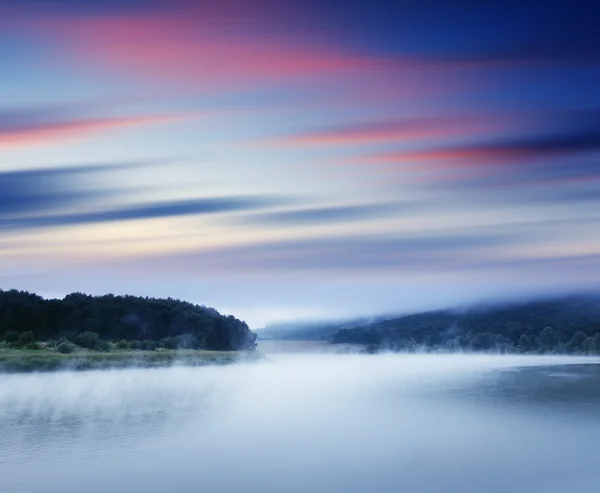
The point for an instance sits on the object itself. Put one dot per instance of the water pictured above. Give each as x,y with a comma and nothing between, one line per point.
308,423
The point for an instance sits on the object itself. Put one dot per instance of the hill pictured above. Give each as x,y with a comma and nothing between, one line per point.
564,325
310,330
127,322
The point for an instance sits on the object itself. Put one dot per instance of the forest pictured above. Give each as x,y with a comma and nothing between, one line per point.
568,325
107,322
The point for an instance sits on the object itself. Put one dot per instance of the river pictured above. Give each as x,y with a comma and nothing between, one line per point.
308,423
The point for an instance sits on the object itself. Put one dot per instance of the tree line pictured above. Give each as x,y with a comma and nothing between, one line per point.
125,322
559,326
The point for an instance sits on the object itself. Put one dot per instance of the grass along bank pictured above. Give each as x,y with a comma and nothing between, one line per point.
49,359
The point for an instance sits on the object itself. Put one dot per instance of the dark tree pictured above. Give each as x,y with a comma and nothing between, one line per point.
567,325
144,323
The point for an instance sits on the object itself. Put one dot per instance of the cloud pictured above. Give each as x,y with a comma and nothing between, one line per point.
375,132
327,215
48,197
539,30
559,148
189,49
36,190
511,150
232,45
342,254
154,210
465,252
30,128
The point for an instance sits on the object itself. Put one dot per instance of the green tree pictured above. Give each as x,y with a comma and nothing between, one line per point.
65,347
576,342
88,340
525,344
548,340
26,338
589,345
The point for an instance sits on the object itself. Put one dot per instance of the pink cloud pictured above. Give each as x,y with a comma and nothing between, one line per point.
219,48
466,157
406,130
360,134
42,133
437,158
175,48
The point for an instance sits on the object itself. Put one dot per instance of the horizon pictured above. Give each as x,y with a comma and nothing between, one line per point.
301,160
295,322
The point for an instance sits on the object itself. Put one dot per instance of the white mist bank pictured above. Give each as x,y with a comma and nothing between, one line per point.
305,423
289,372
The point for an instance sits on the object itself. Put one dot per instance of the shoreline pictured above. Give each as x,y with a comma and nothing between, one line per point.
44,361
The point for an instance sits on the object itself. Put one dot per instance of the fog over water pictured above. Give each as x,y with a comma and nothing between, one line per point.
308,423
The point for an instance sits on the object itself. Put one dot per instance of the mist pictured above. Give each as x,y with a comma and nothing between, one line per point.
307,422
266,299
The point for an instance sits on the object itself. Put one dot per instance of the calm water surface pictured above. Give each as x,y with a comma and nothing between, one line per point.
308,423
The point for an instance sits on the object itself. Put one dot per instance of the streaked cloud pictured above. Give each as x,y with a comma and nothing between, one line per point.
520,149
377,132
346,253
500,249
44,189
189,50
328,215
214,47
381,140
62,196
555,148
26,129
156,210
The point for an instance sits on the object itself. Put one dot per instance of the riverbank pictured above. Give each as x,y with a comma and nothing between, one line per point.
25,361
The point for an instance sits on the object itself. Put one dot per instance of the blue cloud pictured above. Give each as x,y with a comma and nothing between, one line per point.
153,210
31,191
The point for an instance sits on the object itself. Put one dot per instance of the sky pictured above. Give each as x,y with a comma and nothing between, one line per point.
295,159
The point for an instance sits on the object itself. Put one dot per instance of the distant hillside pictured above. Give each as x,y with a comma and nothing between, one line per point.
309,331
138,323
566,325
